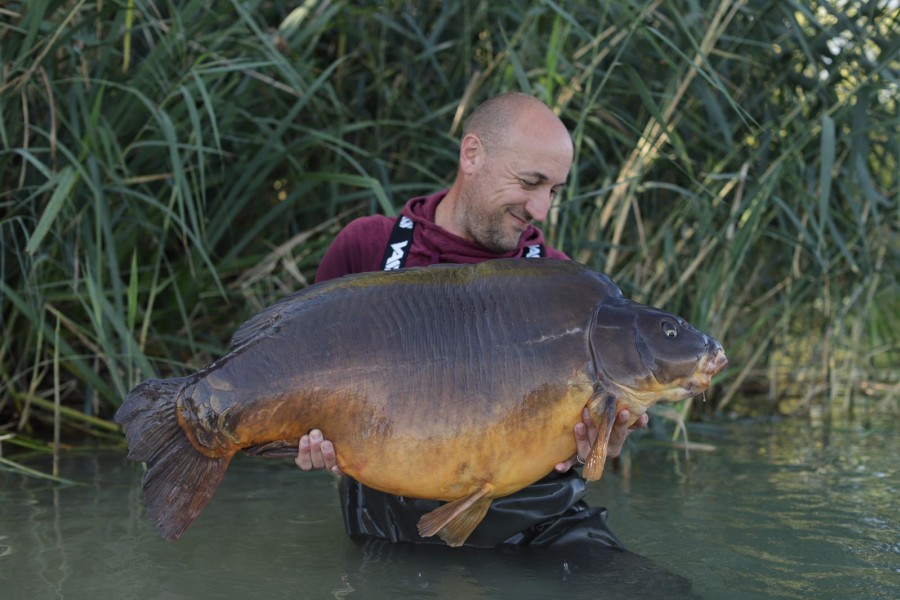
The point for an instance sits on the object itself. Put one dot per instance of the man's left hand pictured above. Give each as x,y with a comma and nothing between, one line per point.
586,434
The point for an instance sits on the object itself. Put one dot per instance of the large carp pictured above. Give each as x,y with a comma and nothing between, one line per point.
459,383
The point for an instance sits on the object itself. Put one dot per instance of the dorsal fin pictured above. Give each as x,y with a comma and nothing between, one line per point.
282,309
264,320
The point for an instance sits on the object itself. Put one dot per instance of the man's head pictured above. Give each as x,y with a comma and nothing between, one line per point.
514,158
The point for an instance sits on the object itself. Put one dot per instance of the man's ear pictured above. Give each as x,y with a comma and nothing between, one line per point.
471,153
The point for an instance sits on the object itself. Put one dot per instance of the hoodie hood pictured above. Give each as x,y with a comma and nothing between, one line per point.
436,245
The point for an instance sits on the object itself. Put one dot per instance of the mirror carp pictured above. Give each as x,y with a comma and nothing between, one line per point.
459,383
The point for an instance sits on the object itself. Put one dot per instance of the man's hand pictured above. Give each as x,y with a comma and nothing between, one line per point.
586,434
316,453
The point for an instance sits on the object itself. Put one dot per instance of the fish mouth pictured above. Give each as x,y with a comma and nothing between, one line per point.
709,365
714,362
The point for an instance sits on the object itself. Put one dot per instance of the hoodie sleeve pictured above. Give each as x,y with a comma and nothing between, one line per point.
357,248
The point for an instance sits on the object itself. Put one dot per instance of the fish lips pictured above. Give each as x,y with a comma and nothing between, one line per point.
709,365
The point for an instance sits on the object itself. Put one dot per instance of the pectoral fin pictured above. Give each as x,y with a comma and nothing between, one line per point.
593,466
456,520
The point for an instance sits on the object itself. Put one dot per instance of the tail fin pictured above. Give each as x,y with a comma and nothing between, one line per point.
179,481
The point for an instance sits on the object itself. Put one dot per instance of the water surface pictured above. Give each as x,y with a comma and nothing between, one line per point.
778,510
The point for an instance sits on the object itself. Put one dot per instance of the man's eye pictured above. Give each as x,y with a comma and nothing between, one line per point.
528,184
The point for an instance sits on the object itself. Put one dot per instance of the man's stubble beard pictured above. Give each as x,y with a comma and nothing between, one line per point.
486,227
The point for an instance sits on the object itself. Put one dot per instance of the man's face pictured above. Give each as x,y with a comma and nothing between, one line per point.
516,184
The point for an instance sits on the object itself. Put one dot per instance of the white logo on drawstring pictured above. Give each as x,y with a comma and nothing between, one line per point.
394,261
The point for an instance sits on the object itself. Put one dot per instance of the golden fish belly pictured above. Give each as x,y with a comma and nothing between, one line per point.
511,450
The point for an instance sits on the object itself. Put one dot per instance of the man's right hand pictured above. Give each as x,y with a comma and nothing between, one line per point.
316,453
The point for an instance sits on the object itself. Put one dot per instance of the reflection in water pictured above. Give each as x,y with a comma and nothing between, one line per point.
779,510
404,570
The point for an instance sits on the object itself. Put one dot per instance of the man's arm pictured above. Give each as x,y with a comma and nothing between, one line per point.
357,248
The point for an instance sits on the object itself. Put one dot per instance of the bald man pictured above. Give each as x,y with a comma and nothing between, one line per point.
514,158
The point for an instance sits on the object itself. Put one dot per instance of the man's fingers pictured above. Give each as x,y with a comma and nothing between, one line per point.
618,434
309,452
328,455
589,423
315,452
565,465
641,423
583,441
315,449
303,459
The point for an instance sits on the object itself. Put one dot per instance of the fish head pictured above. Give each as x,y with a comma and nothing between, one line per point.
646,355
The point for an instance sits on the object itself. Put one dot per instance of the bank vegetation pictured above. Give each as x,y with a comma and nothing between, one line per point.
169,168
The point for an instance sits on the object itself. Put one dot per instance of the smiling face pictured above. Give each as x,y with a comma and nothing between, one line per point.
510,179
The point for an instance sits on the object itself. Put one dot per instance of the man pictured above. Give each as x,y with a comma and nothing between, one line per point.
514,158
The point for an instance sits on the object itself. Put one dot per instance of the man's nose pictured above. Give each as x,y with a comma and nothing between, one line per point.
538,205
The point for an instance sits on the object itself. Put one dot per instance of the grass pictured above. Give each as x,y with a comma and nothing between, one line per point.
168,169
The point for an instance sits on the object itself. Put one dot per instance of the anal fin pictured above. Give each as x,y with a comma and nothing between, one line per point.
455,521
593,466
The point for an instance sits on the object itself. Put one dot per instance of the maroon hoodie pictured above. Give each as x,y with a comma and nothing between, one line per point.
360,246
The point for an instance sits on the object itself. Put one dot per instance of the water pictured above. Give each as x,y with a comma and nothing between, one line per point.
778,510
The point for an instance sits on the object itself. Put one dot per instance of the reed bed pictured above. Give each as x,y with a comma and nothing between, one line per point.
169,168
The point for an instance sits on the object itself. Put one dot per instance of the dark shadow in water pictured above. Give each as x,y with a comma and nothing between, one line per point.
440,571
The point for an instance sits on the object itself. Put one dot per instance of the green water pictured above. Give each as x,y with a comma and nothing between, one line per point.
778,510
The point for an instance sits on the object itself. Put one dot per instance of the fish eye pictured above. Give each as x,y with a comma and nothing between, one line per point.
669,329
